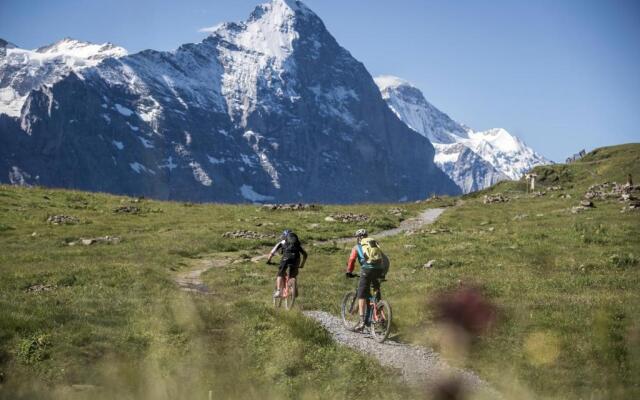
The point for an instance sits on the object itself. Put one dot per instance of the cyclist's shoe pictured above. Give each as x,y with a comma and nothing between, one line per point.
360,326
276,294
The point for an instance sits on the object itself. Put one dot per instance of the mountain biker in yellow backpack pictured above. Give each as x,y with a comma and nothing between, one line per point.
373,267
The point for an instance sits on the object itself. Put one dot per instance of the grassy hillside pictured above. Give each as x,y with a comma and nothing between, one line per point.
110,314
107,320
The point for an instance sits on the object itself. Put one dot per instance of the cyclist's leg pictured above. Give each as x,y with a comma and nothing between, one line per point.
293,275
375,282
282,270
362,294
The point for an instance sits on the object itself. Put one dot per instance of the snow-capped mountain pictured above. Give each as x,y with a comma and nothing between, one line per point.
269,109
22,71
474,160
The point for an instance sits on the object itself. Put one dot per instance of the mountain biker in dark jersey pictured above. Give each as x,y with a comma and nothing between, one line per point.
291,250
370,274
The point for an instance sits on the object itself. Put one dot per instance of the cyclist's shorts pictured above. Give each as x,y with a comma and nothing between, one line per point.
368,277
291,264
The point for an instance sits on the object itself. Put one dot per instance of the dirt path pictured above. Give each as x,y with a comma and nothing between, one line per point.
191,281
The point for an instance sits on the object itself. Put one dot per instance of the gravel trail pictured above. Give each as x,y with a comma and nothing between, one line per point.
415,364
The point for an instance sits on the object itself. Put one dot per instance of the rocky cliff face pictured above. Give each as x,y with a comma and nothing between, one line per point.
474,160
270,109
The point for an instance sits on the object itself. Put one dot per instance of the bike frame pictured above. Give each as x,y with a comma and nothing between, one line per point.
372,307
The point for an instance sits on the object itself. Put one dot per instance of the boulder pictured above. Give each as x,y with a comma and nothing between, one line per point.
497,198
39,287
100,239
62,220
127,210
350,217
247,235
290,207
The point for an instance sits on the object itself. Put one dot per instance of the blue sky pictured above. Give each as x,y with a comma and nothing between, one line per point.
562,75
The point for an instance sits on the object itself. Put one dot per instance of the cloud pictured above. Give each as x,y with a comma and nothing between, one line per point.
210,29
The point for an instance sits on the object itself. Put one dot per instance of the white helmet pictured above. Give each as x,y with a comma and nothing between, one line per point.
360,233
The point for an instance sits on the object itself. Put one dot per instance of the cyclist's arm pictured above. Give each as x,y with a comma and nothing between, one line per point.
351,264
275,249
304,257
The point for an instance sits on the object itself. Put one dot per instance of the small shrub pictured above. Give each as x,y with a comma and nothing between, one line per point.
33,349
624,260
4,228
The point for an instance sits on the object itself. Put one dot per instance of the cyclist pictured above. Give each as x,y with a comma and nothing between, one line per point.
291,249
373,266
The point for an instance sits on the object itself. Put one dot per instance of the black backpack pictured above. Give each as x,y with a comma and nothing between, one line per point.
291,248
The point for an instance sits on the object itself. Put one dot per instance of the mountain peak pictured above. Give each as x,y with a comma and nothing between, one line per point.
385,82
270,29
81,49
497,154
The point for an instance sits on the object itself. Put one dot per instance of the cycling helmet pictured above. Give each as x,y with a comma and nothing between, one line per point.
286,232
361,233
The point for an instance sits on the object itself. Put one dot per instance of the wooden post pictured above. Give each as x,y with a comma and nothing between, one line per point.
533,182
629,180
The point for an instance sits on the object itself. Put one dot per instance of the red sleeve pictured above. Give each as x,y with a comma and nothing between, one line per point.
352,260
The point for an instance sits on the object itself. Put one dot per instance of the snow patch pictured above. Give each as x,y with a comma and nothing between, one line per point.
138,168
200,174
123,110
251,195
213,160
254,139
246,160
146,143
18,176
169,164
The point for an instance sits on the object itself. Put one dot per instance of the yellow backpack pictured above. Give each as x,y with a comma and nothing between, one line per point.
371,253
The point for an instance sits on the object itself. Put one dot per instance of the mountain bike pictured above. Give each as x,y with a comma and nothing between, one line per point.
377,314
289,293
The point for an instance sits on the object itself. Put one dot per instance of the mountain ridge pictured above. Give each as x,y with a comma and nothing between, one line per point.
261,110
474,160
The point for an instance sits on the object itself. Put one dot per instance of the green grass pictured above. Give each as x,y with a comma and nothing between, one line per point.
113,317
566,287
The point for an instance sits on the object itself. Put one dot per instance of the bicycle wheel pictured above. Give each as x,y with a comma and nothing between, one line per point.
349,311
291,294
277,301
381,322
